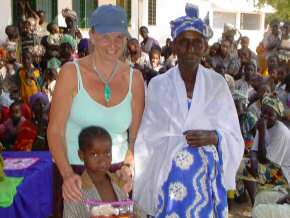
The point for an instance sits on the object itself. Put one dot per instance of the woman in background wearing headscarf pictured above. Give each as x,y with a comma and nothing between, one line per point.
269,164
68,48
183,147
272,152
70,17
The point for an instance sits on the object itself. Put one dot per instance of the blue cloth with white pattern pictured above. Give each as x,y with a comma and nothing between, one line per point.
190,22
194,187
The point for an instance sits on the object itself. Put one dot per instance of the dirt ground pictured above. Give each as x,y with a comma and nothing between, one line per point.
241,210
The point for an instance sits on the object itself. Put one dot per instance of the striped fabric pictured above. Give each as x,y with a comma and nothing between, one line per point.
89,191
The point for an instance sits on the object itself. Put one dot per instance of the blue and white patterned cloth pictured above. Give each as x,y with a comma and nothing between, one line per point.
194,188
190,22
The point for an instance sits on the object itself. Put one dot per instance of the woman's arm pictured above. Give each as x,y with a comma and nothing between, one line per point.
254,164
33,13
66,86
138,102
262,153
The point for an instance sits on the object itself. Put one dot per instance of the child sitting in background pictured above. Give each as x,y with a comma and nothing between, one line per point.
10,128
29,78
53,67
247,119
32,133
95,149
155,59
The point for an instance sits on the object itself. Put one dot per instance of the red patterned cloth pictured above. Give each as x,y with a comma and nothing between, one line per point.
26,137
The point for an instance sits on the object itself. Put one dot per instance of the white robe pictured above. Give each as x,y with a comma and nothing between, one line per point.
166,117
277,146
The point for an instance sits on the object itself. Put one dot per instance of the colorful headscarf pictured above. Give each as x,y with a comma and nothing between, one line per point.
70,40
54,63
275,103
69,13
240,96
190,22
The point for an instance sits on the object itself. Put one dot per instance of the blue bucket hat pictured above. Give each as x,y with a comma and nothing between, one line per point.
190,22
109,19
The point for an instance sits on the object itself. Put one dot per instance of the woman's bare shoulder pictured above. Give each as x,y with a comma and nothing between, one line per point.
67,70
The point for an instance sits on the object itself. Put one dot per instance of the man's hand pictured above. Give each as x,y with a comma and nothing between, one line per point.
198,138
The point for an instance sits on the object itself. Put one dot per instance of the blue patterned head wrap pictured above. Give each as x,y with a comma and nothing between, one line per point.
190,22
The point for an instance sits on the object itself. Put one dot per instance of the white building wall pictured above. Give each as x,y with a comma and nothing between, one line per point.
135,19
169,10
6,17
103,2
62,4
165,12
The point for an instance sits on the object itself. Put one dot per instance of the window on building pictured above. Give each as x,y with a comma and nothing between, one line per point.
220,18
84,9
127,5
151,12
50,8
250,21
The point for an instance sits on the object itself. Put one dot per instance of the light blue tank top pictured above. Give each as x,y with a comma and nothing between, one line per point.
85,111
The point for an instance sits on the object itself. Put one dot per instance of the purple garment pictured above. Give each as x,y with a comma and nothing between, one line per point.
83,44
34,198
39,96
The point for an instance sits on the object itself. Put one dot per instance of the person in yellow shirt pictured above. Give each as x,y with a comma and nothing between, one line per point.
29,78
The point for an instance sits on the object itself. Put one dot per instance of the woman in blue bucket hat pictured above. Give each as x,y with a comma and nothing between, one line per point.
97,90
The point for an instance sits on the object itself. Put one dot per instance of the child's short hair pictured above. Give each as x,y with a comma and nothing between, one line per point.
16,103
50,27
251,63
90,133
155,50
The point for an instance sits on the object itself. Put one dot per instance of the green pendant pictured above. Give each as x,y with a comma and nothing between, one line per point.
108,93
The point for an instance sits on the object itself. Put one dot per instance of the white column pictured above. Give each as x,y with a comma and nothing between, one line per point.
6,17
135,18
262,21
238,20
144,12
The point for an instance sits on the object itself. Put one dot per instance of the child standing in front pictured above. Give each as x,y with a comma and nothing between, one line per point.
95,149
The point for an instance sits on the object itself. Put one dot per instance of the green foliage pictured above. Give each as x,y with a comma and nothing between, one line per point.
282,7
